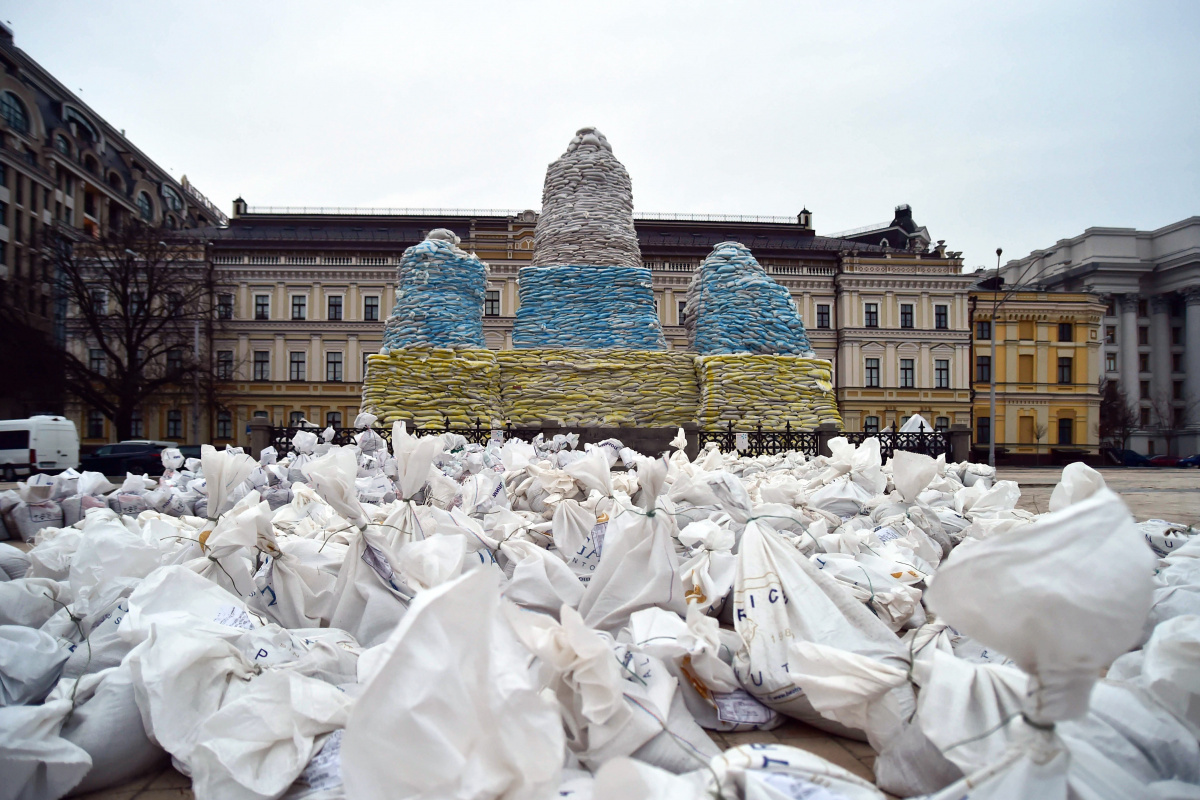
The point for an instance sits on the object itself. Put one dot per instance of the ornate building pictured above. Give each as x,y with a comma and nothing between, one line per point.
62,165
305,293
1150,283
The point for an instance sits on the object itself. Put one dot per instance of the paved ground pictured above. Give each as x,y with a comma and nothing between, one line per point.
1172,494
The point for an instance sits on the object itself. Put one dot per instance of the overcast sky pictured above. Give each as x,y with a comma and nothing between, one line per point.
1003,124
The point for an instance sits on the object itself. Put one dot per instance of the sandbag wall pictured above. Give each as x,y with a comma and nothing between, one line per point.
587,307
772,391
439,296
430,385
598,387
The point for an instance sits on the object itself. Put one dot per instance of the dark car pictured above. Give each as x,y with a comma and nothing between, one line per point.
136,455
1131,458
1164,461
1190,461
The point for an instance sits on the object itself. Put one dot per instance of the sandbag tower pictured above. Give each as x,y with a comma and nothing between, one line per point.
434,365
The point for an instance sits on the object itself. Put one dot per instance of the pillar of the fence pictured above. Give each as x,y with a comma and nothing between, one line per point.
960,442
260,435
825,432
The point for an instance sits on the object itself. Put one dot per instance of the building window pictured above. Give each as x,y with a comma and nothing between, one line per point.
174,359
136,428
259,415
1176,335
262,306
872,373
371,309
1179,417
491,303
1110,362
906,315
871,424
941,317
333,419
333,367
1176,362
137,304
983,430
3,213
224,306
299,306
871,315
262,365
1066,430
97,363
62,145
296,419
1110,334
983,369
1026,330
1143,335
1066,332
1144,417
1065,370
1143,308
681,312
983,330
906,373
1177,390
335,308
14,113
296,366
174,424
224,365
95,425
224,425
1143,362
822,315
1144,388
941,424
145,207
941,373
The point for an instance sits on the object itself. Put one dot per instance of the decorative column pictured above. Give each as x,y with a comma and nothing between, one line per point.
1127,360
1191,355
1160,357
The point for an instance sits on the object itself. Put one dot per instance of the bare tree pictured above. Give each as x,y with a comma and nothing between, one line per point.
139,314
1117,419
1039,432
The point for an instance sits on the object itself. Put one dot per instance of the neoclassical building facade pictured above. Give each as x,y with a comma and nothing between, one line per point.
1150,284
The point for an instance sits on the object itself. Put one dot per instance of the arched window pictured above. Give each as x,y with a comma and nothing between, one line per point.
62,145
91,165
169,221
116,181
14,113
144,206
174,201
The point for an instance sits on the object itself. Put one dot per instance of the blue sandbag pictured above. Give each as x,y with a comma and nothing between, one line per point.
439,298
588,307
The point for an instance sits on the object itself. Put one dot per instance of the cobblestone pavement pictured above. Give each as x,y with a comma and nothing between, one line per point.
1172,494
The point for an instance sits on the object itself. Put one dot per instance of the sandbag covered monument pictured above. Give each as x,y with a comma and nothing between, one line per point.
588,347
434,365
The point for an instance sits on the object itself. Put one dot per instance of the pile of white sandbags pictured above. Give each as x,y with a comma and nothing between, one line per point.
442,619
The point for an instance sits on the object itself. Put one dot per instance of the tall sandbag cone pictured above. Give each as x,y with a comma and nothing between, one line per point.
439,296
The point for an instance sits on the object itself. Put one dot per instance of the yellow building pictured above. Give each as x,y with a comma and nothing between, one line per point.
1047,369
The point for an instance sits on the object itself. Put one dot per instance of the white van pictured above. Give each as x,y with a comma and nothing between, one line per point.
37,444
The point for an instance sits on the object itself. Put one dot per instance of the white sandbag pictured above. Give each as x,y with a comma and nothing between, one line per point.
452,712
31,601
14,563
578,535
110,562
630,779
776,771
259,742
35,512
1088,564
707,574
30,664
1078,482
293,593
1167,669
34,761
224,472
103,647
130,500
780,598
911,473
541,580
107,725
638,565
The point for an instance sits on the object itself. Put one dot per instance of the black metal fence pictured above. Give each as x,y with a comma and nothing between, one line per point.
281,437
761,443
931,443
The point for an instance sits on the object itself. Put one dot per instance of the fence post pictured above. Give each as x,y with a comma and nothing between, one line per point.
825,432
260,435
960,443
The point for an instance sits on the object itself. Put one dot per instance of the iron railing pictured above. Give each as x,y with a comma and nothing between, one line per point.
281,437
761,443
931,443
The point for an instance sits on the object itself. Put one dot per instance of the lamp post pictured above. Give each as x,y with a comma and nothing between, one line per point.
992,371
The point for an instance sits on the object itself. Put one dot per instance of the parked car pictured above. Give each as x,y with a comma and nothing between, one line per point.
1190,461
1131,458
133,455
42,443
1164,461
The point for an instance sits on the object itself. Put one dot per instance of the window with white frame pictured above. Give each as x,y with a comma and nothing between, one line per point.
491,303
872,373
907,374
299,306
334,307
262,365
941,373
871,424
174,424
262,306
371,308
906,315
97,363
333,367
224,365
296,366
871,315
